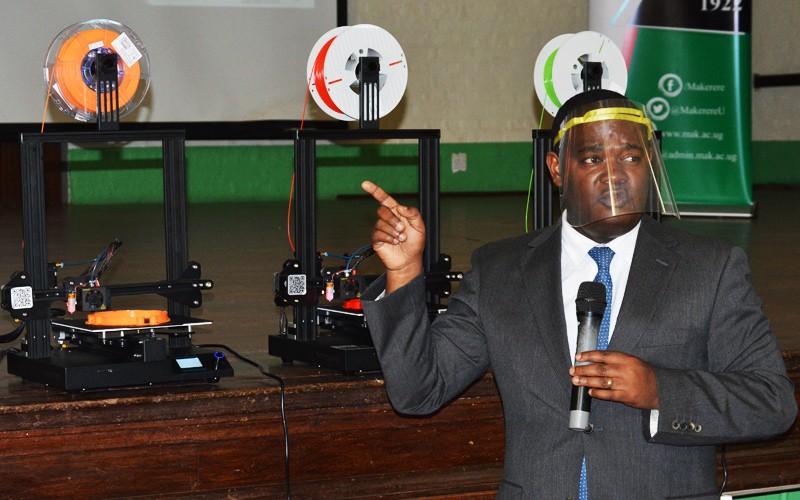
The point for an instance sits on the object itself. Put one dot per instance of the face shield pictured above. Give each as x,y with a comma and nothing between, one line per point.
610,163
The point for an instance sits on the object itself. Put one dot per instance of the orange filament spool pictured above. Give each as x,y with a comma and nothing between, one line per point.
70,72
128,318
73,72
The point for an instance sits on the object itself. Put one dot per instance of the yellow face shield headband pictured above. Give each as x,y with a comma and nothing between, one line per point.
596,115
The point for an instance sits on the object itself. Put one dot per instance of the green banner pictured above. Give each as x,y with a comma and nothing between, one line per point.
689,63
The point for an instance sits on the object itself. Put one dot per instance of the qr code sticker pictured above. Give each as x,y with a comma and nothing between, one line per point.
296,284
21,297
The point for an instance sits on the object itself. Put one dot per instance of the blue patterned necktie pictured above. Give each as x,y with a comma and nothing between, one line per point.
602,256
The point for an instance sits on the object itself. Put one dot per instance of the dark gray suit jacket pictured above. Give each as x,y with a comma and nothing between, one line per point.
689,310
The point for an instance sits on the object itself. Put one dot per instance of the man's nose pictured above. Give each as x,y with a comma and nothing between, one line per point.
615,172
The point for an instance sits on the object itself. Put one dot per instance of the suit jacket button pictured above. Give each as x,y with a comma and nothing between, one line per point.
698,428
676,425
684,426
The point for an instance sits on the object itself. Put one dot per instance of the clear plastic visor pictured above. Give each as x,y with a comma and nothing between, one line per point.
610,165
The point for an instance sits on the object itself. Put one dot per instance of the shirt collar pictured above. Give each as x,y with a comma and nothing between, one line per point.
577,246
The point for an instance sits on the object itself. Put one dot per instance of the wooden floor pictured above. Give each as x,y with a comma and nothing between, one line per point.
225,441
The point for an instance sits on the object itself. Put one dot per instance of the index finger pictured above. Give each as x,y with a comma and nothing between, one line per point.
607,357
379,194
594,356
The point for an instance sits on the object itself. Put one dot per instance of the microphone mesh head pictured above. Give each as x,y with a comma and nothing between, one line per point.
591,298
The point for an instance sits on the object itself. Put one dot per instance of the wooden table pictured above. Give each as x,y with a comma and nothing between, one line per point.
225,440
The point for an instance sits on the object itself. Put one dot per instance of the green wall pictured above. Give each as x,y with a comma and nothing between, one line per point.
263,172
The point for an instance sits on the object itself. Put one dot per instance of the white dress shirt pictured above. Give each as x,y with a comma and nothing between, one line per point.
578,266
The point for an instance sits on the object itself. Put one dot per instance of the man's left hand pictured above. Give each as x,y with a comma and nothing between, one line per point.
619,377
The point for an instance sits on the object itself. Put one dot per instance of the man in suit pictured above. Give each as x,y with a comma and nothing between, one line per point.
690,362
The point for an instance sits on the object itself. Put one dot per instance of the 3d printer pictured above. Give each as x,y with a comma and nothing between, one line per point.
83,354
355,73
101,81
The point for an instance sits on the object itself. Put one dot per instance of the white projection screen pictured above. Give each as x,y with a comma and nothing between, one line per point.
210,60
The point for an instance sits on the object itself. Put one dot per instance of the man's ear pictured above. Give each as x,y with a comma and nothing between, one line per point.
555,168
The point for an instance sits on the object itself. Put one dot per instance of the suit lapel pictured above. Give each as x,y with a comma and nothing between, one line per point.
653,265
541,267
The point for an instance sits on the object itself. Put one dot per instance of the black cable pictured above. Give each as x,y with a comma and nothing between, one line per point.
724,471
3,352
359,255
98,265
13,335
281,383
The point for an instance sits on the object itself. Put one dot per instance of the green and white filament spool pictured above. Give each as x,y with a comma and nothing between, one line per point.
557,71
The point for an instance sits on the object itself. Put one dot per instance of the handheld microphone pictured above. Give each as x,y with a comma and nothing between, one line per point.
590,305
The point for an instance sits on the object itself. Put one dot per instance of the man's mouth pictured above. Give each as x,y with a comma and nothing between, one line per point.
616,198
